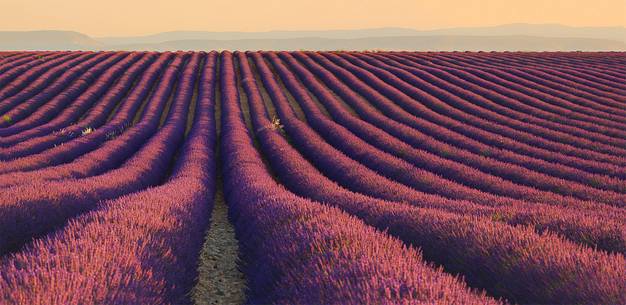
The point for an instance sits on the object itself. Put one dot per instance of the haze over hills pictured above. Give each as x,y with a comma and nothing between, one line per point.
539,30
418,43
47,40
204,35
511,37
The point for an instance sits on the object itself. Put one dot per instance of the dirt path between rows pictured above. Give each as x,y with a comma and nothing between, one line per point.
219,279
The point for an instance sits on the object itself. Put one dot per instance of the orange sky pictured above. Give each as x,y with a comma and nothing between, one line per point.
136,17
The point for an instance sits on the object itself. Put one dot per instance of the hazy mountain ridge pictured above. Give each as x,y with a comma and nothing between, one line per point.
539,30
205,35
47,40
511,37
422,43
521,29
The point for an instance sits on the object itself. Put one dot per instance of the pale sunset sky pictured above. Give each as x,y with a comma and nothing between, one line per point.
140,17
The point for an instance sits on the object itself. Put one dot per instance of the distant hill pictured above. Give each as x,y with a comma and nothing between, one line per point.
539,30
518,29
47,40
422,43
512,37
203,35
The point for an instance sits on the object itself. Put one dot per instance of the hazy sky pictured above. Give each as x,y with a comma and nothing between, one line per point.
133,17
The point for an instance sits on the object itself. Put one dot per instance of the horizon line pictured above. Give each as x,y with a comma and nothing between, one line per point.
318,30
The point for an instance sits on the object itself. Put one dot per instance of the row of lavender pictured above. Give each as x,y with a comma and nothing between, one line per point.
162,249
529,179
596,231
33,208
457,242
327,256
353,137
41,285
140,248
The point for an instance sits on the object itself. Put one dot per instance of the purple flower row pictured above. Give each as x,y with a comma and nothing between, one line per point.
507,261
404,86
17,77
502,99
47,84
593,229
43,152
296,251
30,210
447,160
138,249
587,165
100,76
111,88
558,102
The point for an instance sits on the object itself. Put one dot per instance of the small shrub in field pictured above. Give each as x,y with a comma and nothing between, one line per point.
87,131
7,119
66,132
275,124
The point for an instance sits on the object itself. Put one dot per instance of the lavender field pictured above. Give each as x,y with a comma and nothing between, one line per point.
347,177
